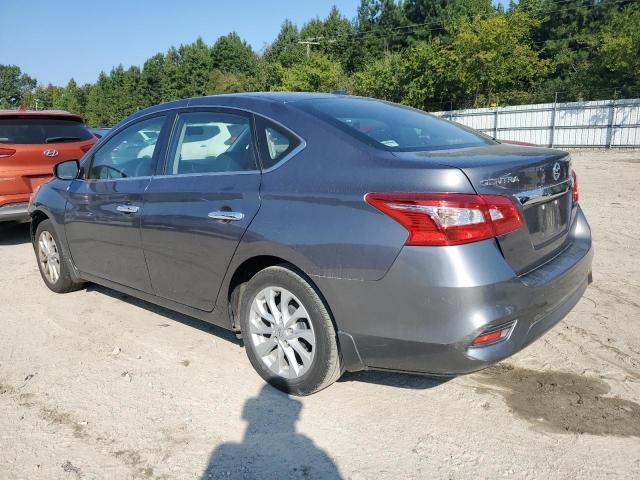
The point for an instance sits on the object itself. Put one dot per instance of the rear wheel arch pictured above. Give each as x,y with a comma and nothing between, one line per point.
249,268
291,369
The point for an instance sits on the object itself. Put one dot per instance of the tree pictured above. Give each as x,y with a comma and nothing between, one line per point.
333,35
193,67
229,82
379,25
618,48
433,16
98,103
383,78
566,34
489,61
429,54
151,80
73,98
286,49
423,70
14,85
318,73
170,83
231,54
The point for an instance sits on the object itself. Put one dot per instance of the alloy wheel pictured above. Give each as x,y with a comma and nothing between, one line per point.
49,257
281,332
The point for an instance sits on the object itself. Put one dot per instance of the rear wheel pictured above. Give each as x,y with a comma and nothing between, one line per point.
52,261
288,333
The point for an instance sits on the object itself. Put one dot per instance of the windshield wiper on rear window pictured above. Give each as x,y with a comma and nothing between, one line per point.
61,139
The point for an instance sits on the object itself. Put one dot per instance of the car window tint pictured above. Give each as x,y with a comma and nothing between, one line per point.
392,127
130,153
29,131
277,142
211,142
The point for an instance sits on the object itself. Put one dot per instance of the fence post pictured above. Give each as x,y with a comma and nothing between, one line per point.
612,115
495,124
552,134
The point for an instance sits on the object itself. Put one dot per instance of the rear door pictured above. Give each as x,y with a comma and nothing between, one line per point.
197,211
104,208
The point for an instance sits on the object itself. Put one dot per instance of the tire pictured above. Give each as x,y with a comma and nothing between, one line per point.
309,334
52,261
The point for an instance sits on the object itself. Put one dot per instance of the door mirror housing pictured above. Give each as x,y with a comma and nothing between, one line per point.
68,170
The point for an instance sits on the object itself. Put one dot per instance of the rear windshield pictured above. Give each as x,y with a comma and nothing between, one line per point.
390,126
42,130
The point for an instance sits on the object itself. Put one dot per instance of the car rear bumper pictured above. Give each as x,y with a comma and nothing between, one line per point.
13,212
424,314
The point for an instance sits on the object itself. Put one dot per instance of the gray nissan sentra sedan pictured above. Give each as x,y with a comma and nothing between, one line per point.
333,233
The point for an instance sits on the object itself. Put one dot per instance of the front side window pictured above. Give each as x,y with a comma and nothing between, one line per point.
211,142
392,127
131,153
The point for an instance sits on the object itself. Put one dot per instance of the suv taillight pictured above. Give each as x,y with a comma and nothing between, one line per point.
6,152
574,193
438,219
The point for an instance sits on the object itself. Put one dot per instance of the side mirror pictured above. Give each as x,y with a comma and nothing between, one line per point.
68,170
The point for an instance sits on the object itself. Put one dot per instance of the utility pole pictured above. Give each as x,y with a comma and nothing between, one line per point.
308,43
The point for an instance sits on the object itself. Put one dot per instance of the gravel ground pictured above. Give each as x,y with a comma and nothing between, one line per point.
95,384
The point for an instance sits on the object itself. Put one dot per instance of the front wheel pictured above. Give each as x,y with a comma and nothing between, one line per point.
288,333
52,262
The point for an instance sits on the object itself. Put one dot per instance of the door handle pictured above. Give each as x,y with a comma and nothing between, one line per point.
127,208
226,216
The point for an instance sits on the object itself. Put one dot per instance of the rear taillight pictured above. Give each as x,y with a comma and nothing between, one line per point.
86,148
574,193
438,219
6,152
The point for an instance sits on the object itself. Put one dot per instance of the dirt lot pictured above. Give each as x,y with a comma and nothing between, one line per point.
97,385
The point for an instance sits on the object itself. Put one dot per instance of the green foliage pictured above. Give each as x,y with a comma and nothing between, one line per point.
13,85
317,73
384,78
618,48
231,54
286,49
489,60
429,54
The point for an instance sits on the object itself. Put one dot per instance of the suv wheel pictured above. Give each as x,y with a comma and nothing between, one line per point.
288,333
52,261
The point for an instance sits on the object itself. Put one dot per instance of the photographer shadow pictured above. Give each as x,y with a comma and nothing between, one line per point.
271,446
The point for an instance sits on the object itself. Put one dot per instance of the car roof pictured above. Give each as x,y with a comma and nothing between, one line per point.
279,97
247,100
39,113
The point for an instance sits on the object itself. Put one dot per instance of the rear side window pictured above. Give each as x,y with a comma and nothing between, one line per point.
392,127
29,131
275,142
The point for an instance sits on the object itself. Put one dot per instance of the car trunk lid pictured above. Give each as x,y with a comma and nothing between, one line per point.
537,179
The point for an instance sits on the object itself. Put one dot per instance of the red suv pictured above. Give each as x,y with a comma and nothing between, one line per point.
31,143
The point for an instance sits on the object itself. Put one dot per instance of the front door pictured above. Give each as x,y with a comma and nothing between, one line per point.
196,212
104,207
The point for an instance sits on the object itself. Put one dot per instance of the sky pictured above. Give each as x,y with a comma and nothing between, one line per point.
55,40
